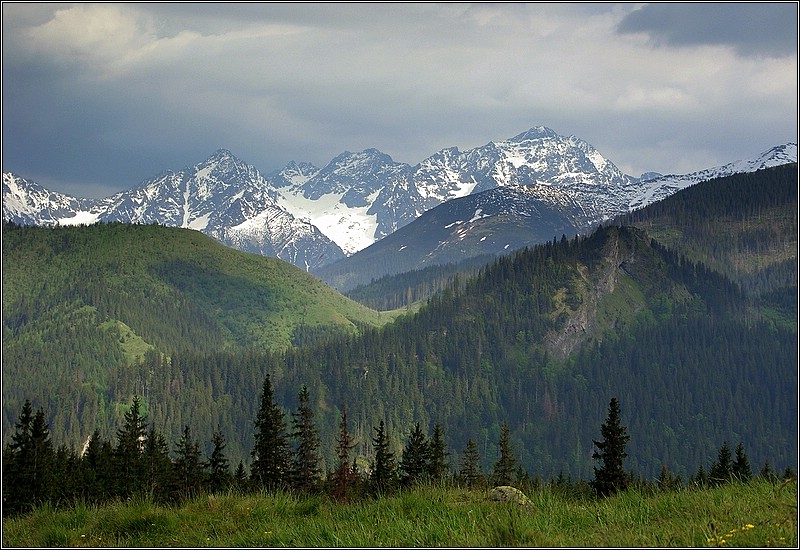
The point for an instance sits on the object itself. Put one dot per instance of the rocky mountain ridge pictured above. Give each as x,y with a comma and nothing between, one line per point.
313,217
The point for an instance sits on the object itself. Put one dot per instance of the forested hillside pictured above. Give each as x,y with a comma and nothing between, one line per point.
81,304
541,339
744,226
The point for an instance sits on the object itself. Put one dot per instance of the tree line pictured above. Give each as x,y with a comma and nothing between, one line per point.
286,457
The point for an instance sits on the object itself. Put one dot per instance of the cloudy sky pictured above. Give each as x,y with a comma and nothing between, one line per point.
98,97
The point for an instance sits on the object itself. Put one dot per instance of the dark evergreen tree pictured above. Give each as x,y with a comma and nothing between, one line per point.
666,481
741,465
383,477
768,473
505,468
17,497
722,470
271,452
93,482
306,459
611,477
343,477
438,465
470,471
128,464
219,471
415,460
188,466
28,463
240,477
701,478
158,468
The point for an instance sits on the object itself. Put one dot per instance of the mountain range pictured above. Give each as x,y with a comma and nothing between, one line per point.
491,199
540,338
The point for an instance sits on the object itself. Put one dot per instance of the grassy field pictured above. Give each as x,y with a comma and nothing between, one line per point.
756,515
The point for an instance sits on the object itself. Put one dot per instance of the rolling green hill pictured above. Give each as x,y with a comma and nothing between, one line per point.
80,304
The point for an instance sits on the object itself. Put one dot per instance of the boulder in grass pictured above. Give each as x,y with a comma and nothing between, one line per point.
507,493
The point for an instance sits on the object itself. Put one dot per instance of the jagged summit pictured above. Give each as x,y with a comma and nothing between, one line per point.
537,132
311,216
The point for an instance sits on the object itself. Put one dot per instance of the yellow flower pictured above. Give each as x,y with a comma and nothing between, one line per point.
748,526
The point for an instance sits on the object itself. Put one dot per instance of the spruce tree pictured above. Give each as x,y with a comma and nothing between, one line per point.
188,466
306,460
470,469
271,453
768,473
128,465
158,468
741,465
28,463
240,477
343,477
611,477
722,470
383,476
438,465
218,467
506,465
414,462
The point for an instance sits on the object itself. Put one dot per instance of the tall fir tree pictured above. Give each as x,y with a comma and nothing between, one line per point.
306,459
188,466
438,464
343,478
722,470
506,465
271,453
415,460
470,471
610,477
218,467
128,464
158,468
383,477
28,463
741,465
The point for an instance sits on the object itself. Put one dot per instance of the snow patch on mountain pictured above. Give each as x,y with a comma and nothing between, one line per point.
310,216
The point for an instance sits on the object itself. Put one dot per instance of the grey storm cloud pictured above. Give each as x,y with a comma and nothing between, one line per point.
753,29
100,96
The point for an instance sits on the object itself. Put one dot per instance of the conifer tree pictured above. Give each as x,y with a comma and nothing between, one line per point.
438,465
701,478
470,469
28,463
383,476
414,462
128,466
240,477
158,467
768,473
506,465
306,460
741,465
722,470
611,477
188,466
342,477
219,472
91,466
271,454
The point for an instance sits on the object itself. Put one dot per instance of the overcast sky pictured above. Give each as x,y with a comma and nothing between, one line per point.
99,97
